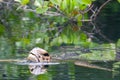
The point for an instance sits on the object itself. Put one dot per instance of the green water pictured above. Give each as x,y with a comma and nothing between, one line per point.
64,71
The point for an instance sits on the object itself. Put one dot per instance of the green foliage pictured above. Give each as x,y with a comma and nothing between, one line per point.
2,29
83,37
99,55
116,67
41,9
70,35
118,1
71,7
86,2
23,2
42,6
45,76
56,2
118,43
104,52
38,3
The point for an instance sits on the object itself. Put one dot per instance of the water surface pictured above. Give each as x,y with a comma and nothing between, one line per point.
63,71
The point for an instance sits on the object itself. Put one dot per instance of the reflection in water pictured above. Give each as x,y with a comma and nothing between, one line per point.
63,71
116,70
37,69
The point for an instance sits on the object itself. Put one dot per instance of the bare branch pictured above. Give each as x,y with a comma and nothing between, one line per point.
86,20
100,8
50,13
87,10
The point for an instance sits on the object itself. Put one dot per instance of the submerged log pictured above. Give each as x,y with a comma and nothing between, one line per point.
11,60
88,65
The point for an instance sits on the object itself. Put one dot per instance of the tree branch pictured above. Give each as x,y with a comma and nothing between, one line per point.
100,8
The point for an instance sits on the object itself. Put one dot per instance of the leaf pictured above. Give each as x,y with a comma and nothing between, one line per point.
71,5
25,41
56,2
2,29
39,3
46,3
118,1
74,4
82,6
64,5
36,3
79,17
86,2
24,2
42,6
41,10
83,37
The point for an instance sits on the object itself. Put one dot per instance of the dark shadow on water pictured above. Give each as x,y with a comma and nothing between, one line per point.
92,74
